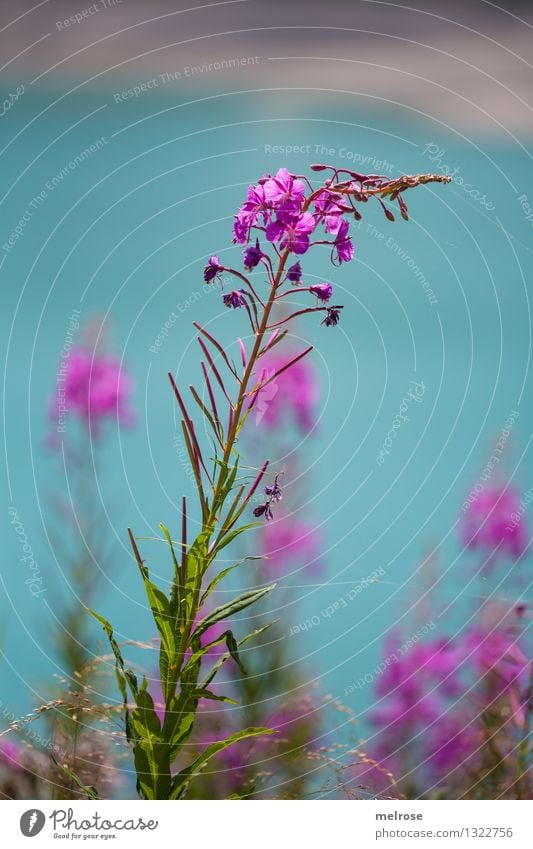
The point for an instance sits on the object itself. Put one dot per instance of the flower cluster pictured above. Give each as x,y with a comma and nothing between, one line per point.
291,398
273,494
292,216
429,713
93,387
490,524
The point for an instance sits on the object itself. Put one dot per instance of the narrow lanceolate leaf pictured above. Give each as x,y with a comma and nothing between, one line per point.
123,674
162,616
183,778
233,652
228,521
198,560
233,648
213,697
218,346
287,366
218,578
165,624
90,791
243,351
179,722
233,534
152,763
226,611
176,590
225,657
215,371
275,339
212,400
199,653
214,426
193,457
193,447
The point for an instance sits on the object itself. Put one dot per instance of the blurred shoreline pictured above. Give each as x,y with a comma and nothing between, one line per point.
467,65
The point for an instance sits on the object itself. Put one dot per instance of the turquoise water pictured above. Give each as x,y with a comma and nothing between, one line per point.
125,233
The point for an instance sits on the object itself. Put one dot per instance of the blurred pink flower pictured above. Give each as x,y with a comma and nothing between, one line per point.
293,395
289,543
430,701
11,754
294,724
92,387
495,520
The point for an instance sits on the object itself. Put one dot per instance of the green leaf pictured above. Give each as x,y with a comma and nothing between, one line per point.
225,541
179,722
198,561
207,694
176,591
199,653
217,429
90,791
183,778
226,611
233,648
152,763
222,660
217,579
231,644
160,607
123,674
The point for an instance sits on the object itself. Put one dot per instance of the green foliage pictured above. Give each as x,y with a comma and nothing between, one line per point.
177,617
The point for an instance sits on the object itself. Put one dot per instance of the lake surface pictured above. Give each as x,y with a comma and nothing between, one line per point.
440,302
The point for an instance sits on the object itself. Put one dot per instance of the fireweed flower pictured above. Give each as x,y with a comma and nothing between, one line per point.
273,493
343,249
494,524
284,193
252,256
329,210
333,315
289,542
294,274
96,387
419,717
234,299
11,754
263,510
431,701
254,209
292,397
281,208
323,291
292,232
213,270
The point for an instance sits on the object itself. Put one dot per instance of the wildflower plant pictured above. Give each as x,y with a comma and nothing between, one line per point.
282,219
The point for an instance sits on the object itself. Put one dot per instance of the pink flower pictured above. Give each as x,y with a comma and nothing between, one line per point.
293,395
284,193
501,664
431,701
292,232
92,387
329,209
289,542
11,754
343,249
495,520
